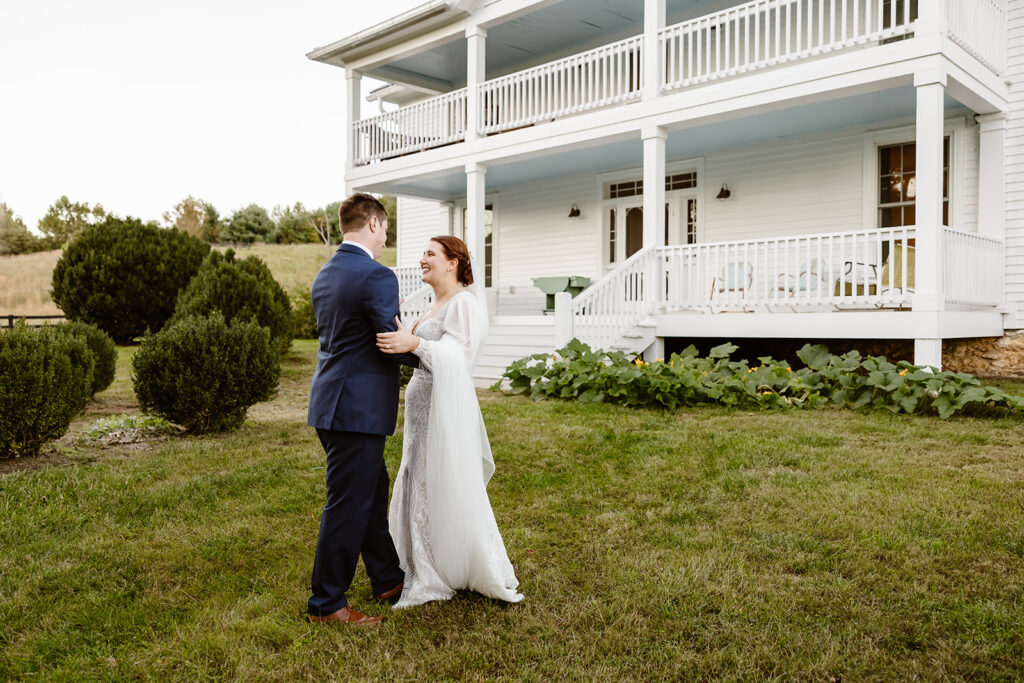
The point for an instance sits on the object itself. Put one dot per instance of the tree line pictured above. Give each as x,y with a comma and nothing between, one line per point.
295,224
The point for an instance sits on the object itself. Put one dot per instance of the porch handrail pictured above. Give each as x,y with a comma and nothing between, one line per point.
438,121
767,32
410,278
973,269
860,268
604,312
582,82
979,27
416,304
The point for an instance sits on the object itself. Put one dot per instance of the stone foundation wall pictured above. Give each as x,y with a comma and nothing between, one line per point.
986,357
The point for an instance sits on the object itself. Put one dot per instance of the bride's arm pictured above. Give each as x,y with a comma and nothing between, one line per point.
461,326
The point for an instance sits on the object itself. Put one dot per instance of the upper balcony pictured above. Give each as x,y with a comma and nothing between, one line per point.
752,37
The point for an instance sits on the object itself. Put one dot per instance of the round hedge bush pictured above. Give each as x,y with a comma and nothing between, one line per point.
203,373
103,350
45,380
303,316
242,290
124,276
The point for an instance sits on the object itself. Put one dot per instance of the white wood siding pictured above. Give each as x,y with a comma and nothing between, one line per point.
1015,168
418,221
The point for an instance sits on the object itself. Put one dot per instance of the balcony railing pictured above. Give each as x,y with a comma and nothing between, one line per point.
980,27
749,37
432,123
584,82
763,33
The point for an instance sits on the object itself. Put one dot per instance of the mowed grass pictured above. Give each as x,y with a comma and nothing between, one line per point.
25,279
699,543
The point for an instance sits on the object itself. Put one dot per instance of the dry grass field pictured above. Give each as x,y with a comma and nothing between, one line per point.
25,279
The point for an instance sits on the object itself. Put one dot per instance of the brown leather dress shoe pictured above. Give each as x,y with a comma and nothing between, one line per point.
391,595
346,615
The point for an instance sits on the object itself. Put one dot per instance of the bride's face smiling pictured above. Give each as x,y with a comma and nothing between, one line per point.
435,265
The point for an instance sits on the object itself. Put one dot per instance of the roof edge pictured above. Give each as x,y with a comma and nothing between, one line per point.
338,52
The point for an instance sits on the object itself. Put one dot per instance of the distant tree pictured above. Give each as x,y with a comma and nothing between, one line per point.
294,224
65,218
15,238
390,203
188,215
212,224
333,220
250,224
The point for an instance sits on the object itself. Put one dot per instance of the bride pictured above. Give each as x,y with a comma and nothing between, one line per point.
440,516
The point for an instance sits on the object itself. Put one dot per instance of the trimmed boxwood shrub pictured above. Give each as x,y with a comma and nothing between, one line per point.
203,373
124,276
45,380
303,316
103,350
242,290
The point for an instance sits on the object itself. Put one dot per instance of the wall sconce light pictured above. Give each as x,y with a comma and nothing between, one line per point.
574,212
724,193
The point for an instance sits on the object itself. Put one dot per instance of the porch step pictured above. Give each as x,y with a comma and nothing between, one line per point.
639,338
509,339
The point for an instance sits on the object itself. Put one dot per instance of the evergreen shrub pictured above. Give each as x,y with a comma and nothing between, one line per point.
45,380
203,373
241,290
849,381
103,351
124,276
303,316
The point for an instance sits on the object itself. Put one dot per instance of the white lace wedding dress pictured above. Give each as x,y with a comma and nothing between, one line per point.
440,516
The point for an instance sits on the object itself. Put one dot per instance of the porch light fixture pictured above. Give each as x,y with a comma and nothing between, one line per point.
724,193
574,212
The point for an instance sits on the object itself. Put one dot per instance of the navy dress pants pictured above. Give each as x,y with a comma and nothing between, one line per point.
354,521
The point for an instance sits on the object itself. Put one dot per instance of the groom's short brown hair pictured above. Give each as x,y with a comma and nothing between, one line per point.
357,210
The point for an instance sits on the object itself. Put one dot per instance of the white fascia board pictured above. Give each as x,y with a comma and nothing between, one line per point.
833,325
416,39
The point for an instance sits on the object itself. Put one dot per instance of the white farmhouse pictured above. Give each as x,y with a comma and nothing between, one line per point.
842,169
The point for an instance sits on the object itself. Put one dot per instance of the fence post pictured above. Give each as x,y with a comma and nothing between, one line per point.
10,321
563,319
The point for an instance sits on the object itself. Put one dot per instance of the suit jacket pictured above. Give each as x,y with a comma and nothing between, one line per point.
355,386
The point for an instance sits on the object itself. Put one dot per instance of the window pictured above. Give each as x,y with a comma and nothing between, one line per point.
488,240
897,189
635,188
611,235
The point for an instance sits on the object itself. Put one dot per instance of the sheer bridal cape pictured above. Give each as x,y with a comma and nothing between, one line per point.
440,516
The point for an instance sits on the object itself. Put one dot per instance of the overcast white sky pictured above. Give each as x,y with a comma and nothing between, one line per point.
135,103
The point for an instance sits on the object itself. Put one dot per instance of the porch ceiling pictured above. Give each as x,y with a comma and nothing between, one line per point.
558,30
835,114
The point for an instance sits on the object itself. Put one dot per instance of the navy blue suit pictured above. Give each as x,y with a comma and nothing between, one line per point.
353,404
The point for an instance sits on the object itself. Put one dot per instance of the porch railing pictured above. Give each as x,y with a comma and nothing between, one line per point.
973,269
767,32
590,80
863,268
416,304
611,307
409,280
980,26
435,122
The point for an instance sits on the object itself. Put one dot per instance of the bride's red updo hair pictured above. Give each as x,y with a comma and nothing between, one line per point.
454,248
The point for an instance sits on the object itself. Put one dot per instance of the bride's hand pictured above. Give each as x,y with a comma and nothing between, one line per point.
399,341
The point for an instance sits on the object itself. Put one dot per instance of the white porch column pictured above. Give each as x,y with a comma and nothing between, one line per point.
654,21
563,319
931,17
992,176
654,185
353,97
476,70
929,297
475,207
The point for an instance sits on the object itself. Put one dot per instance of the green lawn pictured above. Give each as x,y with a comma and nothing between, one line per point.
700,543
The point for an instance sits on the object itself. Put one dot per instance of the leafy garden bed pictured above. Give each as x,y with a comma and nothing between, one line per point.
849,381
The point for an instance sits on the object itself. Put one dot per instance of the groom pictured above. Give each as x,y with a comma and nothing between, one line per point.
353,404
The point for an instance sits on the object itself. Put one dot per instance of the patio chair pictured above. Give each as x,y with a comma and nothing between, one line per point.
809,281
735,277
892,270
858,279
